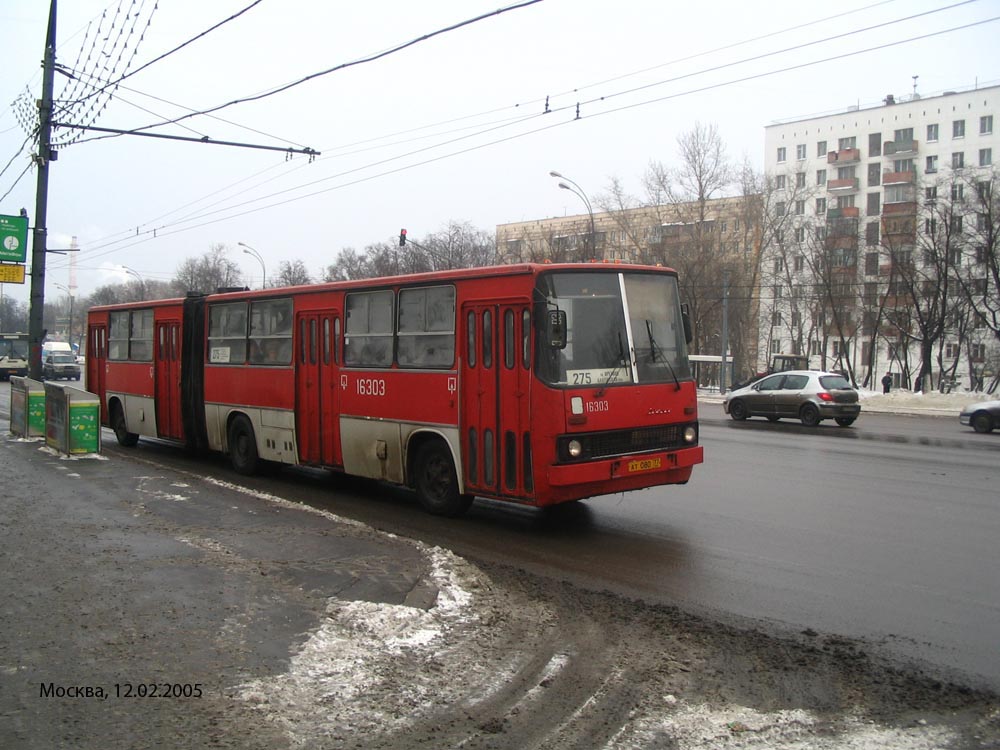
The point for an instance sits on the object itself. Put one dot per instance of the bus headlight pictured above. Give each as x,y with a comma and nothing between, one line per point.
690,434
574,448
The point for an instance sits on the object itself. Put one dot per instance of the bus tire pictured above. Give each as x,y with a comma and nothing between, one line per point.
243,446
125,438
436,482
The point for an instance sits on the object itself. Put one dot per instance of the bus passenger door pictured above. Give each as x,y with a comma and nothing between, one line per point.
495,399
317,398
167,356
97,357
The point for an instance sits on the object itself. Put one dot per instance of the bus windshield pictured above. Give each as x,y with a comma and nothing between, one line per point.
621,328
13,348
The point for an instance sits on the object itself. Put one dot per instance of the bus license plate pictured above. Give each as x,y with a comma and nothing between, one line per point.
645,464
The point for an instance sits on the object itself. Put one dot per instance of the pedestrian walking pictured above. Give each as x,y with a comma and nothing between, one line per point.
887,382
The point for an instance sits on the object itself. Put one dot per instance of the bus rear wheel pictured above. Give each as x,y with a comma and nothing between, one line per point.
125,438
436,482
243,446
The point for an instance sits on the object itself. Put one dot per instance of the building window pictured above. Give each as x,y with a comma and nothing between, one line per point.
930,194
986,125
932,165
800,234
821,231
821,148
800,262
775,346
800,208
903,135
779,182
781,154
956,225
982,254
874,174
958,160
875,144
846,173
779,208
930,226
985,157
820,206
873,204
839,349
903,165
776,318
932,132
845,201
872,233
845,143
800,151
957,191
800,178
871,264
977,352
958,129
897,194
779,265
952,350
820,176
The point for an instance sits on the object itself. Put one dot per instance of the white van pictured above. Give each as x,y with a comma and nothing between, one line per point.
55,347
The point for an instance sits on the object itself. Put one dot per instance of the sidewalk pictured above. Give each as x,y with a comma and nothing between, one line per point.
124,573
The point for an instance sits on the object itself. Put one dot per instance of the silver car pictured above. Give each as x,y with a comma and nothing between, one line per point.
982,416
808,395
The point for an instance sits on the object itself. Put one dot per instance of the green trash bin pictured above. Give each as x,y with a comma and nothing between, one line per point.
27,407
72,420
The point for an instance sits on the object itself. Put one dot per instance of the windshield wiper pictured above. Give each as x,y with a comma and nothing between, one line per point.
614,373
653,348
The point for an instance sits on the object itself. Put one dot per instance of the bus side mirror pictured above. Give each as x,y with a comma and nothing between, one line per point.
686,320
556,329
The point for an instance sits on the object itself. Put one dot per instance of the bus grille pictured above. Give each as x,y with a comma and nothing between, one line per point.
598,445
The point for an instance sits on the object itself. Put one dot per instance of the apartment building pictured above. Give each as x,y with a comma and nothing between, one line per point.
882,248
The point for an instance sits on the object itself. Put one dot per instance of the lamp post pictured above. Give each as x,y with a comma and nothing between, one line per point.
579,192
142,283
70,293
263,270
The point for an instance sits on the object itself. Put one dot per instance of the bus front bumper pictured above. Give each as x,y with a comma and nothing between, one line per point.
630,472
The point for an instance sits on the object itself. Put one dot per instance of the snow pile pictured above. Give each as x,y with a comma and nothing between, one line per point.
932,401
703,727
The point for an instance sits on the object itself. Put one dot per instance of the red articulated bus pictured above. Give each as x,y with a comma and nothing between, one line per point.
537,384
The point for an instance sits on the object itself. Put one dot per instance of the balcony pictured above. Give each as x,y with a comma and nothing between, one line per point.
898,178
848,212
908,208
895,148
846,185
844,156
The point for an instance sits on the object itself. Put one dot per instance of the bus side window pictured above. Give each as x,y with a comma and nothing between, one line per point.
487,339
470,326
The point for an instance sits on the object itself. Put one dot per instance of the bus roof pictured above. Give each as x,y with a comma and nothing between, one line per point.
479,272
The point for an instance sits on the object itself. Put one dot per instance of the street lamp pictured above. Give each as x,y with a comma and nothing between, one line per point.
142,283
263,270
70,293
579,192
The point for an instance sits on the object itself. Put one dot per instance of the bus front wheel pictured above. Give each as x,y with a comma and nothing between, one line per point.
436,483
125,438
243,446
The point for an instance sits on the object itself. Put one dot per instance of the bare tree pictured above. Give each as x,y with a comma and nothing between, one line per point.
211,271
292,273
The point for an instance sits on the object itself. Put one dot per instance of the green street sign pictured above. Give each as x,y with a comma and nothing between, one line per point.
13,238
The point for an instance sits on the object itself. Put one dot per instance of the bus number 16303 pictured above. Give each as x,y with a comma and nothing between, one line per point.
371,387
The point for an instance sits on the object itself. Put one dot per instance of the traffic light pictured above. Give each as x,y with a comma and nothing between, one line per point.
402,237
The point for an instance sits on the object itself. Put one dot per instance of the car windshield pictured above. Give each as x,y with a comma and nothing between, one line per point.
835,382
620,328
63,359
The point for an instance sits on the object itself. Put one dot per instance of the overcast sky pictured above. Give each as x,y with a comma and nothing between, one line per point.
451,128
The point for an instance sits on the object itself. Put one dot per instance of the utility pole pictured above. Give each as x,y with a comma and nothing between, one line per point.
38,250
725,330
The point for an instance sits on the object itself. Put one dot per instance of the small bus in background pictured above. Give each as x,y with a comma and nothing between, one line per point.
13,355
535,384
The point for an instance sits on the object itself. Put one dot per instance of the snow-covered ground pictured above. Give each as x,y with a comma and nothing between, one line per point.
930,402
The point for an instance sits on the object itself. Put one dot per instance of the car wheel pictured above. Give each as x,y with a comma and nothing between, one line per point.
436,483
738,410
845,421
125,438
243,446
809,415
982,422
